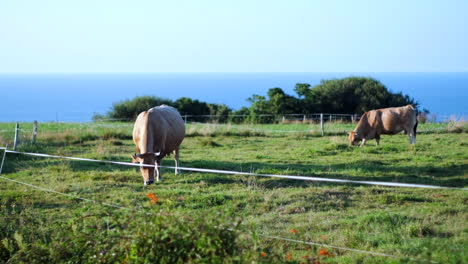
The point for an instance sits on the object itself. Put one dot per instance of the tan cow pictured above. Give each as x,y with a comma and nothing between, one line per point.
385,121
157,133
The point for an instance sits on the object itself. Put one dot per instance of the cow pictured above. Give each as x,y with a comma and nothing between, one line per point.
157,133
385,121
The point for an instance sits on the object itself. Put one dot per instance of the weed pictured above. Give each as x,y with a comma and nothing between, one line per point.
457,126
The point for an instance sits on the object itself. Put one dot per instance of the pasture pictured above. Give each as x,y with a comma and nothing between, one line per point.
213,218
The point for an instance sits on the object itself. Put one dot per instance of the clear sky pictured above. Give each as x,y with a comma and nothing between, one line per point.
233,36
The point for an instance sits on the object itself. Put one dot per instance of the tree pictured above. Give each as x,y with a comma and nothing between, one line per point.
350,95
240,116
129,109
220,112
302,89
188,106
282,103
259,107
263,109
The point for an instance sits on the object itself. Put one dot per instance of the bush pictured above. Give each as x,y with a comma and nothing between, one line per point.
97,236
350,95
129,109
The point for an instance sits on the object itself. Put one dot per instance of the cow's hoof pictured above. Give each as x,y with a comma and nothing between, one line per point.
149,182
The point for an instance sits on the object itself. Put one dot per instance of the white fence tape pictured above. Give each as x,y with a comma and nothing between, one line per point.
290,177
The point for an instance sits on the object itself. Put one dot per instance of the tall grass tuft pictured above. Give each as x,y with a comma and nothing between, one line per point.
457,125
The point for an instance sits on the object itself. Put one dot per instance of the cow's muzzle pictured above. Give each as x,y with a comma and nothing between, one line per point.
149,182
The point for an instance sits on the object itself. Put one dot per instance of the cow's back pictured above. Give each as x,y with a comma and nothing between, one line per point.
396,119
166,129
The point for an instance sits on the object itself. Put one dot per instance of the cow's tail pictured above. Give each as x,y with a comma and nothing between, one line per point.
416,123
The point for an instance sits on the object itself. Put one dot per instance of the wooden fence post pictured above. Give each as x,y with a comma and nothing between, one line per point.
34,135
321,124
17,135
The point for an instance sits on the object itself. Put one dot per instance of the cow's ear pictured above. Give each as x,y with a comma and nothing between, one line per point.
135,159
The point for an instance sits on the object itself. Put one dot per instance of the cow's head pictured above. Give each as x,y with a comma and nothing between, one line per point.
354,138
146,172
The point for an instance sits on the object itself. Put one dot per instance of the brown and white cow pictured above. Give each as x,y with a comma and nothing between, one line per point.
385,121
157,133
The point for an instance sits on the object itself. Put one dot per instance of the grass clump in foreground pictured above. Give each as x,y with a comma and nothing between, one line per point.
210,218
93,234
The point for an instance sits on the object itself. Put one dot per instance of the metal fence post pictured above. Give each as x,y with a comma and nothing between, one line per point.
17,135
321,124
34,135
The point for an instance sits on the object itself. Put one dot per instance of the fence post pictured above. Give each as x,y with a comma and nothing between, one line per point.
34,135
321,124
283,119
17,135
185,119
304,119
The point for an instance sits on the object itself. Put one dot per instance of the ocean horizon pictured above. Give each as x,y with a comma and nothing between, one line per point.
75,97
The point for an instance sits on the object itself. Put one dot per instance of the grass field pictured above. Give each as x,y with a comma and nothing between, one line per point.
214,218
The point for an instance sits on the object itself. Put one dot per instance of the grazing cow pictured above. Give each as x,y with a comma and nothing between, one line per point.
157,133
385,121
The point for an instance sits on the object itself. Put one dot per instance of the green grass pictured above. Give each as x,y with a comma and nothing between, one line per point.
212,218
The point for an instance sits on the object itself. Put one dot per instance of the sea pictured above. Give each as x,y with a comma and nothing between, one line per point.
76,97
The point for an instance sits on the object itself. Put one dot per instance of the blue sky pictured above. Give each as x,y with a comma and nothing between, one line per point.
233,36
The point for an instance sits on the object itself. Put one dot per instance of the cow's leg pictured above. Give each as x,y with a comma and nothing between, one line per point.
177,162
414,132
377,139
410,135
157,170
363,142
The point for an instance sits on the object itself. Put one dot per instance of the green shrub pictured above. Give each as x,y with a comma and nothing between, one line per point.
97,236
129,109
